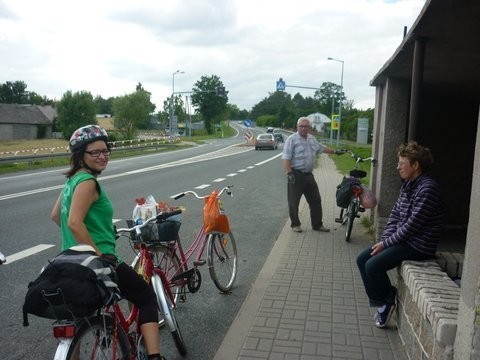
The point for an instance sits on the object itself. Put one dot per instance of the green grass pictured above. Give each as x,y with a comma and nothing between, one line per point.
345,162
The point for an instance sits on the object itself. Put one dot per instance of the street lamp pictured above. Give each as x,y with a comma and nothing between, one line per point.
340,100
171,99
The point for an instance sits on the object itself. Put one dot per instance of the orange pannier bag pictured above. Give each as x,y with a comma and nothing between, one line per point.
214,217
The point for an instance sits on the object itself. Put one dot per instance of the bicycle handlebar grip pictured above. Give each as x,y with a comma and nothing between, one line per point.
167,214
178,196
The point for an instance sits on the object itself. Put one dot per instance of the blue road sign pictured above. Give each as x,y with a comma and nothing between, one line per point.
247,123
280,85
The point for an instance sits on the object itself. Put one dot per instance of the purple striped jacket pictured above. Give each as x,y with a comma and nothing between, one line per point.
417,217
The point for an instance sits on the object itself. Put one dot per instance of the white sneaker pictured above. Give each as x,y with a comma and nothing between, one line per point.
297,229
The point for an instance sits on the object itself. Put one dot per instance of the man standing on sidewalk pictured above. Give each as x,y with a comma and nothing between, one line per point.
299,153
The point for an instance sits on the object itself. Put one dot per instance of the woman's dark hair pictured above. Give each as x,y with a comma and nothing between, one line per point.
414,152
76,160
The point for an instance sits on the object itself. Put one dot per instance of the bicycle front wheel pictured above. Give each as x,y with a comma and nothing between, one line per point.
222,260
351,215
97,339
167,308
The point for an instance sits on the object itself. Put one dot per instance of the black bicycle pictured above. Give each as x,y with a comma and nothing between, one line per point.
354,189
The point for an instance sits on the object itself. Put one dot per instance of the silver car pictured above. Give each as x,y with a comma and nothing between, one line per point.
265,141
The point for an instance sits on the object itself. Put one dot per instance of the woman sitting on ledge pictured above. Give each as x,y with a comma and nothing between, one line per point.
412,232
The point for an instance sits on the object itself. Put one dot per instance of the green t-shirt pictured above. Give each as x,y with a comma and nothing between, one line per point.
98,219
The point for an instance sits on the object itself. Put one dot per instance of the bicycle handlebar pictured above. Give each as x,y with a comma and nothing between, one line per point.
161,216
226,189
358,159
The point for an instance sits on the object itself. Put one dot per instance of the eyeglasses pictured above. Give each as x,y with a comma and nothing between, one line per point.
303,126
96,153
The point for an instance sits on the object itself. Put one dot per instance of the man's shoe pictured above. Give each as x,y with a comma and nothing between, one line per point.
297,229
382,318
322,228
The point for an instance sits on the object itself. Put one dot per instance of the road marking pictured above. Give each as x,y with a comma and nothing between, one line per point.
219,180
242,170
232,174
28,252
202,186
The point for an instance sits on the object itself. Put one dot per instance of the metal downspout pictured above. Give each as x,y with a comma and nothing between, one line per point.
417,80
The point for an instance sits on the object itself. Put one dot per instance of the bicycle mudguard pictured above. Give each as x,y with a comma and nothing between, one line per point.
62,349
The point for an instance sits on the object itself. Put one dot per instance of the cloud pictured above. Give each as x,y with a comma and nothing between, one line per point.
107,47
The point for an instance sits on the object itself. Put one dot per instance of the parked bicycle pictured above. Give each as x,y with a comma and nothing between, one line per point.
110,333
349,194
221,256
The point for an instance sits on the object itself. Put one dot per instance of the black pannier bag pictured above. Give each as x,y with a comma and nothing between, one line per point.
344,191
72,285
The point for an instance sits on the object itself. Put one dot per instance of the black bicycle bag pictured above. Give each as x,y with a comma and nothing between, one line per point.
72,285
344,192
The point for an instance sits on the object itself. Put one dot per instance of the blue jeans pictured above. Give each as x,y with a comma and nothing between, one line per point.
373,270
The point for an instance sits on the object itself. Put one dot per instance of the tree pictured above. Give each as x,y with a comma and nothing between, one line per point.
75,110
103,106
133,111
327,93
14,92
211,105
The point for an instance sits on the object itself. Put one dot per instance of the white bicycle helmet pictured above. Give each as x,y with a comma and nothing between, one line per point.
86,135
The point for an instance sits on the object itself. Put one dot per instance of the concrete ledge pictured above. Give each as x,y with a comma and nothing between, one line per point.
428,307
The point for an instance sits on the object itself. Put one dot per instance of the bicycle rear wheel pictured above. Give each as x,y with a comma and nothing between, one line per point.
167,308
222,260
95,340
351,215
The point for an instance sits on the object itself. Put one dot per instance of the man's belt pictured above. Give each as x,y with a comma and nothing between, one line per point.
302,172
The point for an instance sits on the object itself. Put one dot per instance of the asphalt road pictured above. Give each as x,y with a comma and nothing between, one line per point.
257,213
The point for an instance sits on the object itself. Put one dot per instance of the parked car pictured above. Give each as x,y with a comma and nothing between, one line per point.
270,129
278,135
265,141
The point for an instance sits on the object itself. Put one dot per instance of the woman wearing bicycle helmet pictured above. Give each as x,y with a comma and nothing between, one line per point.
85,216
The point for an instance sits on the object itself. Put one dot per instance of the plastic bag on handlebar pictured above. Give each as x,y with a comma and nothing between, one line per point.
367,198
214,216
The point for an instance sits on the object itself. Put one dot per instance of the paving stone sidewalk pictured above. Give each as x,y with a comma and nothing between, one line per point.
308,301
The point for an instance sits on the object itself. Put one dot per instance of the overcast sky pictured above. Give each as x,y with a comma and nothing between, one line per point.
108,46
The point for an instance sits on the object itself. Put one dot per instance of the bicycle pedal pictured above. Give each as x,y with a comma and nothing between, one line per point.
338,220
199,262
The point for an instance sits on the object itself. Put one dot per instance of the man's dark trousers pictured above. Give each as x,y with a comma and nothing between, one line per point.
305,184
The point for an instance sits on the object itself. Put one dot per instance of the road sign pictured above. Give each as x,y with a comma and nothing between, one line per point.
335,121
281,85
247,123
248,135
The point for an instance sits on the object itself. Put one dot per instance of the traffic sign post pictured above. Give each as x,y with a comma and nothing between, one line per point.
248,136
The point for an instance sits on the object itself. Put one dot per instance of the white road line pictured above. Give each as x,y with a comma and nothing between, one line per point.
242,170
28,252
250,167
202,186
219,180
232,174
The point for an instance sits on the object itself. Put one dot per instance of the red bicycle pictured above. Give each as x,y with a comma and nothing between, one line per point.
221,252
111,334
